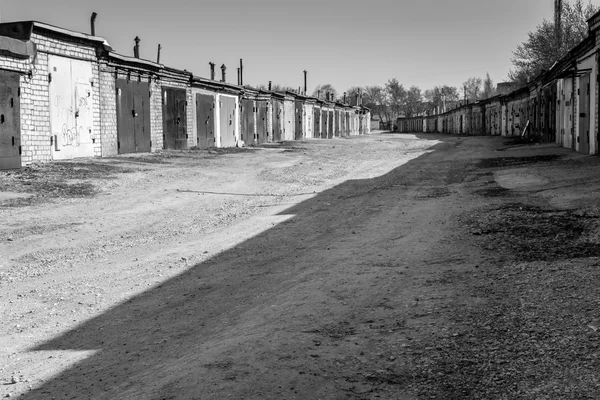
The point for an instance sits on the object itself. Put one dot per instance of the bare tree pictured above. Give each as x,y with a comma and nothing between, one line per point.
542,47
414,102
396,95
321,91
276,88
472,88
489,89
375,97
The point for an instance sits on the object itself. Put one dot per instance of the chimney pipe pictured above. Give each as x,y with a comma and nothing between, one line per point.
223,69
93,23
212,70
238,76
344,97
136,48
305,86
241,73
158,54
270,86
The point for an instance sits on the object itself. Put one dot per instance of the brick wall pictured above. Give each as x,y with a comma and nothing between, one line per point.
108,111
35,114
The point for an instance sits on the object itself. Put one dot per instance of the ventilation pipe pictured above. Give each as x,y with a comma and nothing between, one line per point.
93,23
270,86
158,54
223,69
305,86
212,70
238,76
136,48
241,73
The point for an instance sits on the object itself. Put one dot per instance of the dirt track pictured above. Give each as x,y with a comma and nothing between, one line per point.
359,268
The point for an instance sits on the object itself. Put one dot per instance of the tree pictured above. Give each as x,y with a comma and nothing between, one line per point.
353,93
472,88
375,98
321,91
441,97
542,47
489,90
414,102
396,96
277,88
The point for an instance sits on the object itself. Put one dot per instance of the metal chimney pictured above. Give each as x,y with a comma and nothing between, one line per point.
223,69
270,86
158,54
212,70
241,73
93,23
344,97
238,76
136,48
305,86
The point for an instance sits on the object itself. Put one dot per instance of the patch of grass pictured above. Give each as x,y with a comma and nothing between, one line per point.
530,233
56,180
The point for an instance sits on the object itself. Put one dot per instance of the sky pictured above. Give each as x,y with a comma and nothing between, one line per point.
341,42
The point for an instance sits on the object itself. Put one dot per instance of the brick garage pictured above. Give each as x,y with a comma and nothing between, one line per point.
44,137
130,114
15,70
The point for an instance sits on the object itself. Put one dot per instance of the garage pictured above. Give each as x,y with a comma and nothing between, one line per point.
10,123
133,116
174,118
71,108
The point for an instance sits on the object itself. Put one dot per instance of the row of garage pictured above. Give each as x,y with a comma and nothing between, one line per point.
66,94
560,105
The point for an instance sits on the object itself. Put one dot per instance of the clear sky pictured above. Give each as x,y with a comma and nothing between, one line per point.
342,42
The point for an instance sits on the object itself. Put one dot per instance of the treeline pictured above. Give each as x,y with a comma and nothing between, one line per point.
393,100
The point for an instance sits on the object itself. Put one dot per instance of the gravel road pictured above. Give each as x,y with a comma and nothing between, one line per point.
387,266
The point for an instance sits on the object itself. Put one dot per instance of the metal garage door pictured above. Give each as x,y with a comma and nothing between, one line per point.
227,119
584,114
277,120
174,119
71,108
133,116
247,115
205,122
10,121
298,126
262,135
317,122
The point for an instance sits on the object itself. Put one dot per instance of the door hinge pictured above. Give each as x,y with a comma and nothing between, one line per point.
20,151
151,143
19,91
118,145
49,77
51,140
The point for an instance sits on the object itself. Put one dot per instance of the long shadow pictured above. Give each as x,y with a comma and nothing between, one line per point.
218,316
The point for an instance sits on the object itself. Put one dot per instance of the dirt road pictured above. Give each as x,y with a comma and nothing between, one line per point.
372,267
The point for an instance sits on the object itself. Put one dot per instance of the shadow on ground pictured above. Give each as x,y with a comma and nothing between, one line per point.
243,322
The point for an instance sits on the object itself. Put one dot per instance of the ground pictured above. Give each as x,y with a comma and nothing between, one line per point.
385,266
